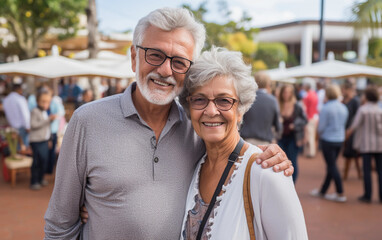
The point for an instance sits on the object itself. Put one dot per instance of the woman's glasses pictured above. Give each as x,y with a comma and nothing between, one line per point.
221,103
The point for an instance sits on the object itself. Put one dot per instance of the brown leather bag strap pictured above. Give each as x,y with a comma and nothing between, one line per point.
247,197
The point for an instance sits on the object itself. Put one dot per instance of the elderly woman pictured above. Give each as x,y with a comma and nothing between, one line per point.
218,90
331,127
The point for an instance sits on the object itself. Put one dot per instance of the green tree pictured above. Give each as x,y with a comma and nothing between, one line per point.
219,34
239,42
30,20
272,53
375,48
367,14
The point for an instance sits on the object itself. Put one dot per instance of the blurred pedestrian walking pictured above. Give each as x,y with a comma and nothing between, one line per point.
261,124
294,121
331,128
367,125
352,102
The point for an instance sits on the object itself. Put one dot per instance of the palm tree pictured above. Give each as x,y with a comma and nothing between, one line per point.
368,14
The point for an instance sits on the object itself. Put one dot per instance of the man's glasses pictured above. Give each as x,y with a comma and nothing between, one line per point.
221,103
156,57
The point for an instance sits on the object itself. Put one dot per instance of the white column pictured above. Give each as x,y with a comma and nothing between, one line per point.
363,47
306,46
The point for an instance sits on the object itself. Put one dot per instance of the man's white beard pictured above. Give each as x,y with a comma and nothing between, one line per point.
156,96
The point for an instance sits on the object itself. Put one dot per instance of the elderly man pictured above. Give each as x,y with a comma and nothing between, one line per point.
130,157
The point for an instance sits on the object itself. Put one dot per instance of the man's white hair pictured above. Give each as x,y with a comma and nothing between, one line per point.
169,19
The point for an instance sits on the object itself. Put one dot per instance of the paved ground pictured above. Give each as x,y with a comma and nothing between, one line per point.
22,210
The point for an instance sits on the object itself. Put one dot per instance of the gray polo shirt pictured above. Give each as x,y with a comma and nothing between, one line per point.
133,187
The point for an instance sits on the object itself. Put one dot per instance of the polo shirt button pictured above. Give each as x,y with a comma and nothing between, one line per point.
156,159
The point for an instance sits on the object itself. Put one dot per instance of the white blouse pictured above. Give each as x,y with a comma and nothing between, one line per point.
277,209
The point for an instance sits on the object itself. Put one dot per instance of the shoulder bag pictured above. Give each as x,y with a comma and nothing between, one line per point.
247,197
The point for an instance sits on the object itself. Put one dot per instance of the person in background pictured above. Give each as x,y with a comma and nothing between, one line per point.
18,115
40,135
352,102
367,125
3,88
320,95
261,124
300,91
87,96
294,121
118,87
56,108
129,158
310,102
71,91
114,87
103,87
331,129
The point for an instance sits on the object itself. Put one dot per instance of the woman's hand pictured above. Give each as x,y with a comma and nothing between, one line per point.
84,215
274,156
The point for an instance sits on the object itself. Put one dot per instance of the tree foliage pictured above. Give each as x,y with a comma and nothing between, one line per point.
375,48
219,34
272,53
367,14
30,20
375,54
239,42
239,36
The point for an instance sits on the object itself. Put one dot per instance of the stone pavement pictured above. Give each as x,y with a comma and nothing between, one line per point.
22,210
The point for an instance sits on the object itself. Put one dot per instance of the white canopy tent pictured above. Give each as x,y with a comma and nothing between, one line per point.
103,54
56,67
120,64
330,68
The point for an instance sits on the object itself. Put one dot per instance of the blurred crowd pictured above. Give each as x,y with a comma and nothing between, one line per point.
303,118
39,118
325,115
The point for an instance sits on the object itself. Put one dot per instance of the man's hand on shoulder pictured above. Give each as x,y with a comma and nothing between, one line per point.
274,156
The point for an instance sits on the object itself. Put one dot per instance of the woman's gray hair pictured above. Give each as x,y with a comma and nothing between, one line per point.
221,62
169,19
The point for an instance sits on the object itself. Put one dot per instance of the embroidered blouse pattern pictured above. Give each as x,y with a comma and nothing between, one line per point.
196,214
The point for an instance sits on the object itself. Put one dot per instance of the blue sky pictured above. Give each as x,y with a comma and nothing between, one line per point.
120,15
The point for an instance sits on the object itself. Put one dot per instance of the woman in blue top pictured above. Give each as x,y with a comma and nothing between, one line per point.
331,128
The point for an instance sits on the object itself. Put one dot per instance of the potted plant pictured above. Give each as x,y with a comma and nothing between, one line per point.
12,138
